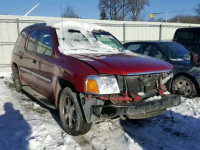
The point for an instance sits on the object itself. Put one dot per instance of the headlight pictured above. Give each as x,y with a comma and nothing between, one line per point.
102,85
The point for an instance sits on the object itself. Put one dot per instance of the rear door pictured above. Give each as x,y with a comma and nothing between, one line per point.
27,57
18,50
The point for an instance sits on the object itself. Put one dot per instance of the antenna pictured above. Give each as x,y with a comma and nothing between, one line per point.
62,25
31,10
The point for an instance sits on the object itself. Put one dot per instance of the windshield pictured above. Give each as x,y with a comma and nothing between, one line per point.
107,39
83,41
176,51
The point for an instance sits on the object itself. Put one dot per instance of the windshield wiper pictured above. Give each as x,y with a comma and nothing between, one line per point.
84,49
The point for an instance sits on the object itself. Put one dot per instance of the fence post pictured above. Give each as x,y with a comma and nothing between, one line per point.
160,32
17,21
124,33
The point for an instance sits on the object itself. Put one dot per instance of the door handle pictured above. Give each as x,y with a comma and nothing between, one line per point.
34,61
21,53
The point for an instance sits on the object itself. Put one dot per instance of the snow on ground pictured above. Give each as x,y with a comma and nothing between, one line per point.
26,124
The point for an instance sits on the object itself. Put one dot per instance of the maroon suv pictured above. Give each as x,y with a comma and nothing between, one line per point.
84,72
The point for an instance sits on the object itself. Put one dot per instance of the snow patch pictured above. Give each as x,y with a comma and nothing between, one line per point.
166,93
153,98
75,25
22,127
141,93
5,74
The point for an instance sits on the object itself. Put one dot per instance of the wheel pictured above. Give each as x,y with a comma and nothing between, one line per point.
17,80
184,86
71,116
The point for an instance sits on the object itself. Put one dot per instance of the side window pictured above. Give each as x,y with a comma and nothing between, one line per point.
154,52
135,48
146,49
30,44
45,43
20,39
185,36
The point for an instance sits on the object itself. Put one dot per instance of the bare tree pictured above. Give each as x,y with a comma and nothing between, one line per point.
103,15
115,9
197,10
123,9
185,19
69,12
136,6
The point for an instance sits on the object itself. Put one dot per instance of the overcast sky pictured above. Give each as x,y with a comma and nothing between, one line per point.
89,8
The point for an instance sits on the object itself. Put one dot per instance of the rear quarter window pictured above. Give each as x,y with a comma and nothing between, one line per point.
187,36
21,39
30,44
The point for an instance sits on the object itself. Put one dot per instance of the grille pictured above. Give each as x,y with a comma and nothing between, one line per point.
142,83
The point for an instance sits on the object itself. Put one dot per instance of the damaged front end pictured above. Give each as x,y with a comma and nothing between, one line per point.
137,95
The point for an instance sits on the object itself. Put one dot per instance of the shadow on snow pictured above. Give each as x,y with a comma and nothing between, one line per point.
14,130
165,132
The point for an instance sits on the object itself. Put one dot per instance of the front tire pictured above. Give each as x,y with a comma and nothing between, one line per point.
71,116
184,86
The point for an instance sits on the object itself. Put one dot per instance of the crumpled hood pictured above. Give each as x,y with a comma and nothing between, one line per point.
123,64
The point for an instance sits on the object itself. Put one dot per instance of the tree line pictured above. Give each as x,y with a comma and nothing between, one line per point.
185,18
114,10
130,10
121,9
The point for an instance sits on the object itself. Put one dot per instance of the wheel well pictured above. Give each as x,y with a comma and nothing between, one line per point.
62,83
188,76
14,65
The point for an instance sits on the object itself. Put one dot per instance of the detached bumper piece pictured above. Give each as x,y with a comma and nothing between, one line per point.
144,107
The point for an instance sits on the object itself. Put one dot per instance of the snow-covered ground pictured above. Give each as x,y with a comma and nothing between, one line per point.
26,124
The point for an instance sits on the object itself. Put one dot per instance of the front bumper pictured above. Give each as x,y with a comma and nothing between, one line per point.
143,107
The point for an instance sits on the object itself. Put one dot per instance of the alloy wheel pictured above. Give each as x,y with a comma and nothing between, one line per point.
183,87
69,112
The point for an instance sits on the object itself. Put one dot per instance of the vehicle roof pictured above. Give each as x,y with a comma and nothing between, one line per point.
190,28
67,25
154,42
35,26
74,25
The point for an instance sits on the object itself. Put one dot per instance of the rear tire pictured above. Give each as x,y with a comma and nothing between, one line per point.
184,86
72,119
17,80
